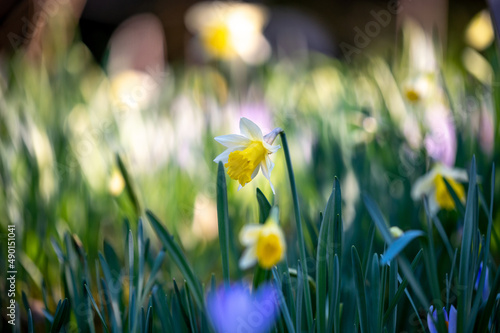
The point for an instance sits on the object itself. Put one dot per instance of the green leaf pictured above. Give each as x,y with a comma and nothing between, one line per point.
373,297
129,186
469,235
281,302
431,269
483,321
149,320
378,218
25,301
30,322
359,282
334,281
223,220
131,309
300,234
299,299
178,257
89,294
264,206
190,310
141,256
399,244
61,318
393,301
321,264
160,301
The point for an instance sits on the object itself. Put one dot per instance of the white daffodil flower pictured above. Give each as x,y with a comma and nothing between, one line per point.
433,186
246,154
265,243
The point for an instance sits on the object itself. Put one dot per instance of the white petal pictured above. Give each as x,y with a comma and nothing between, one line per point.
233,140
267,166
423,185
249,129
249,234
454,173
224,156
248,259
271,149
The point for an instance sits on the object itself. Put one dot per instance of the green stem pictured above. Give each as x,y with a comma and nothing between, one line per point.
300,234
222,217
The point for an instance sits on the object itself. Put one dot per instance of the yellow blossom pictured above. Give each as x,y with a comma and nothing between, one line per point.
265,243
246,154
229,30
433,186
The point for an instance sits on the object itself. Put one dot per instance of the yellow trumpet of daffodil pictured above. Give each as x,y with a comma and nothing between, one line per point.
246,154
265,243
433,186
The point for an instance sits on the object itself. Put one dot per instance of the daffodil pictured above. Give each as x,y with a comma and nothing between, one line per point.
228,30
246,154
265,243
433,186
450,318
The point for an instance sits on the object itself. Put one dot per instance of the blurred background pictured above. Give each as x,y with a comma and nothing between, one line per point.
374,92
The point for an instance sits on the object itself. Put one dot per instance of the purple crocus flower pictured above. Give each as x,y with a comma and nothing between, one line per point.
486,289
451,319
234,309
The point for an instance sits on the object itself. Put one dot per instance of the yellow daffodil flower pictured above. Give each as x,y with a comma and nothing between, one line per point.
433,186
246,154
265,244
228,30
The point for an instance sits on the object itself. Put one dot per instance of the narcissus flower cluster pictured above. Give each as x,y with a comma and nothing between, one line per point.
246,154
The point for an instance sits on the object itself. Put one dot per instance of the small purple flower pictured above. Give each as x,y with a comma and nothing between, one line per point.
486,289
235,310
451,319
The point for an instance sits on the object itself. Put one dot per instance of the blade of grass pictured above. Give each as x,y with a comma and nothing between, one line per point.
178,257
334,306
131,308
281,302
89,294
159,299
430,267
149,320
469,232
321,264
30,322
299,298
359,282
393,301
129,186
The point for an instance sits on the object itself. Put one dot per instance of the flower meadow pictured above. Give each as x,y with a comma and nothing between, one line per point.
248,191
